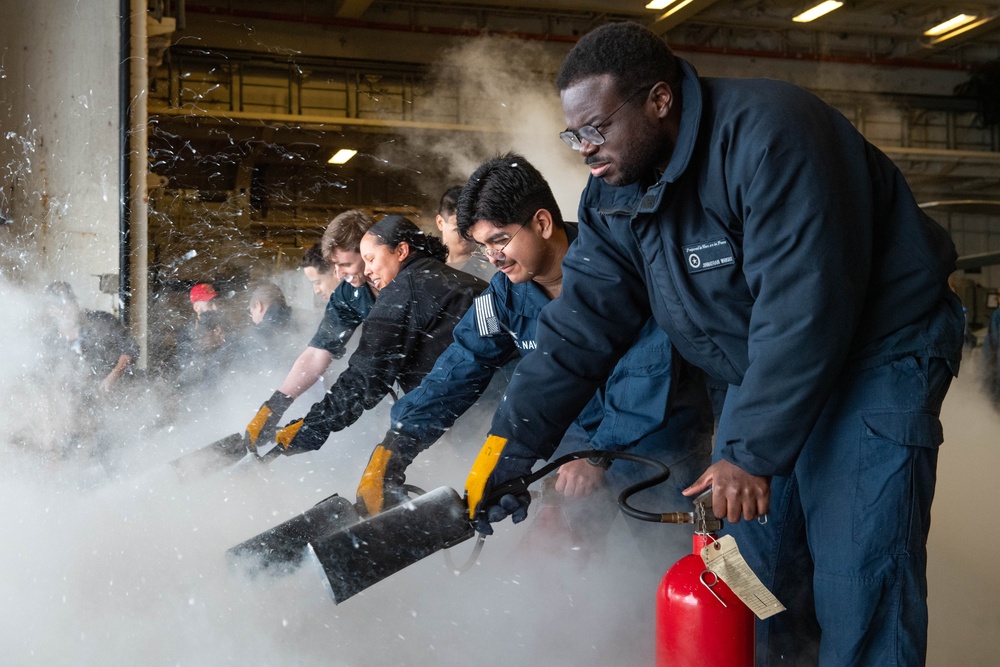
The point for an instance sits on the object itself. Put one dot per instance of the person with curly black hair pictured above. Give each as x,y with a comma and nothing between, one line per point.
509,208
785,256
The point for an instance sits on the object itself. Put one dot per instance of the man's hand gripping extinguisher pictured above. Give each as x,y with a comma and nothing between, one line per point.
699,620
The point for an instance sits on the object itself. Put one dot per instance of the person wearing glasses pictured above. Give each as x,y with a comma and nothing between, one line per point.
785,256
508,208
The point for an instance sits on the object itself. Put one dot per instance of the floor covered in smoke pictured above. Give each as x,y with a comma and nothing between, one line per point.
131,570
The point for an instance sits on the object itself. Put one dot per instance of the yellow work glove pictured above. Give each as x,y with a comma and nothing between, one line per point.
382,482
264,425
499,461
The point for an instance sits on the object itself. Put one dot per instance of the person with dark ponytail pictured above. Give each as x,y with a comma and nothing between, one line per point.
420,301
391,239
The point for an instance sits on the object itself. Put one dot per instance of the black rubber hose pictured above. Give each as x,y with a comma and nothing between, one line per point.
520,485
627,493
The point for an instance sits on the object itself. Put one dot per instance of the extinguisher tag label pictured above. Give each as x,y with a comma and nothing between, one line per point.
723,558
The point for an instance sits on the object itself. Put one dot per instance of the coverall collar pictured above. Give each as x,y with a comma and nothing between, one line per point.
687,136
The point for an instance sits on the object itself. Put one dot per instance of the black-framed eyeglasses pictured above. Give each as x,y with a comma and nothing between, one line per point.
589,133
490,252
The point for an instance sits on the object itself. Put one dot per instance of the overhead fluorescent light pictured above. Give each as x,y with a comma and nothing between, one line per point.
950,24
663,4
821,9
342,156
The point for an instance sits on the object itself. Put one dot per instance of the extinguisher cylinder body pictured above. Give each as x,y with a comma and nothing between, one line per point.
699,620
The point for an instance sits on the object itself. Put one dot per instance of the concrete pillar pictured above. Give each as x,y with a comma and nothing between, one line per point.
138,282
59,129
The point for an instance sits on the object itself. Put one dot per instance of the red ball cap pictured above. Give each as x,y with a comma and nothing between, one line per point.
202,292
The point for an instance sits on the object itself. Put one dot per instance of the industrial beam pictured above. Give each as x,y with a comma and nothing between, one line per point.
161,109
353,9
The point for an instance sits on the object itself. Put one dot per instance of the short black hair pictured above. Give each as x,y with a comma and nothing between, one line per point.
314,258
632,54
505,190
395,229
449,201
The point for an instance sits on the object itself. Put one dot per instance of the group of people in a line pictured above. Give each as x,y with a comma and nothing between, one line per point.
89,360
735,235
210,346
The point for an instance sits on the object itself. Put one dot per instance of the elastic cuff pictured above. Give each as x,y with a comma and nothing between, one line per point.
515,450
279,402
308,438
404,445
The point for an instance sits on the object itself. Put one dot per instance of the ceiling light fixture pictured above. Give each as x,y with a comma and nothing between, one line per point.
961,30
673,10
950,24
342,156
660,4
821,9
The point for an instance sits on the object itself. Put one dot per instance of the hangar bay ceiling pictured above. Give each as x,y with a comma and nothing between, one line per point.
249,100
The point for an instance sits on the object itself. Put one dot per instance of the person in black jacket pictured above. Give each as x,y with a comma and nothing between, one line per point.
420,301
268,308
272,319
89,357
103,348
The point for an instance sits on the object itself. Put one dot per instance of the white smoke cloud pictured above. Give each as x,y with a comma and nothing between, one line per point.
508,86
127,565
963,584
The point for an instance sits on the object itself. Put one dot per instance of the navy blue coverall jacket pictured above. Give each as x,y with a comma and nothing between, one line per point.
345,311
785,256
769,269
644,391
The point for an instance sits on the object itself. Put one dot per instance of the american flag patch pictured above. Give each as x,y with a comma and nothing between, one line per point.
486,316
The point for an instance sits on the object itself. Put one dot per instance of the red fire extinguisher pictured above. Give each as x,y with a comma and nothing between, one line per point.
699,620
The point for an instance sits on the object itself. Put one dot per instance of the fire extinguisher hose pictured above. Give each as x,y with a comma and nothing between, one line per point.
659,478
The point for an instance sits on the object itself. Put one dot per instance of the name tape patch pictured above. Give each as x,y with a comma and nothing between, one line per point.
708,255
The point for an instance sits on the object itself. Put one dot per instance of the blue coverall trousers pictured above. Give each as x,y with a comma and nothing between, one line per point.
845,544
